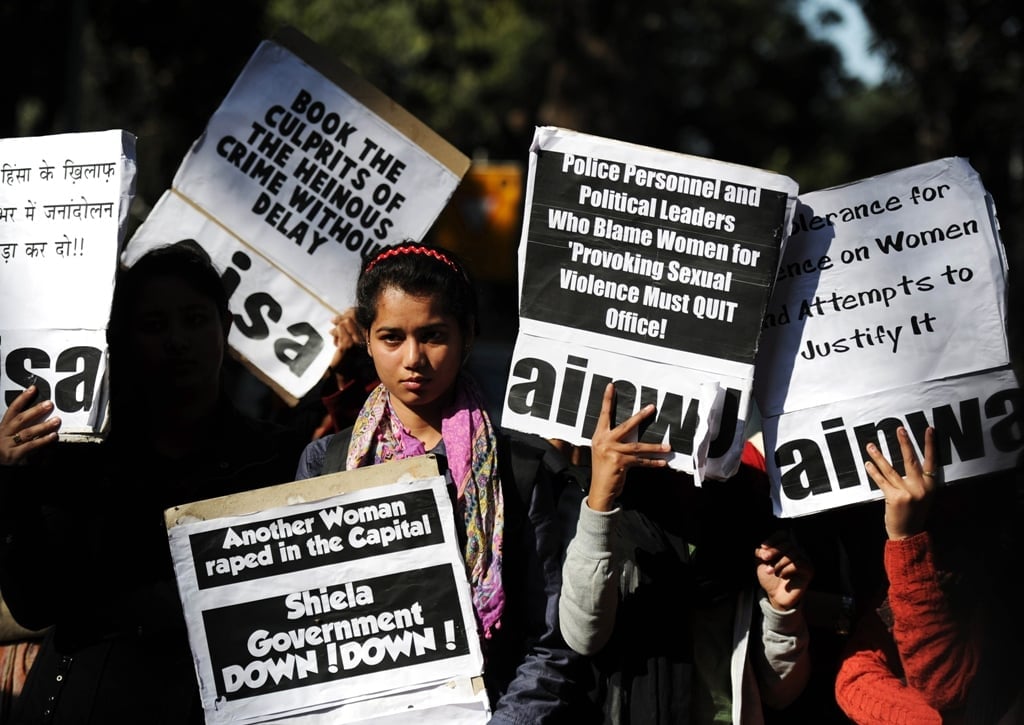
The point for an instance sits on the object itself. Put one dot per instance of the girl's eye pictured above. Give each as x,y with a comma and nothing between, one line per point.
197,319
151,325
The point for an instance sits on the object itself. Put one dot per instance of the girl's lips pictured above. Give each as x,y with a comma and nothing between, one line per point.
414,383
182,366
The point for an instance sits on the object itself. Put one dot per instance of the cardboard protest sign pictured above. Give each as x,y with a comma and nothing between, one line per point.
889,310
63,207
303,173
340,598
651,269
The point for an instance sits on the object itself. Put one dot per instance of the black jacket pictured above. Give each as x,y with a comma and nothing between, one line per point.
83,547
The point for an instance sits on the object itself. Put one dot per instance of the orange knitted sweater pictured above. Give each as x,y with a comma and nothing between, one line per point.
920,667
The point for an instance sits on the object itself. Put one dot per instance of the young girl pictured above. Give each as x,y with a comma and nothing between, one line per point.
417,310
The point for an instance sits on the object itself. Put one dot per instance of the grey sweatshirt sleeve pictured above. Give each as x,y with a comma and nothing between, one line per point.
782,663
590,581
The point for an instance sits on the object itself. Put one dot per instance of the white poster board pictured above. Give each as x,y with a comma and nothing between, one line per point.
889,309
330,608
651,269
63,208
303,173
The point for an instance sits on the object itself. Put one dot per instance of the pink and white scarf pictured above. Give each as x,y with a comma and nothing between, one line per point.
471,448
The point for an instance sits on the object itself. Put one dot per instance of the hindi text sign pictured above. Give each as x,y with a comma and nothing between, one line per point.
63,208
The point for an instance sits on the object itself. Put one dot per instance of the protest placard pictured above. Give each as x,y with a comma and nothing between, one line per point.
333,598
303,173
63,208
651,269
889,309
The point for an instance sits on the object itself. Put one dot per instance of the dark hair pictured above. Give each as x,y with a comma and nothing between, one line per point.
420,270
184,260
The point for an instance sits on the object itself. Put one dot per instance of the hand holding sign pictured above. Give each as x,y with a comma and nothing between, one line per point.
21,431
349,346
614,454
907,498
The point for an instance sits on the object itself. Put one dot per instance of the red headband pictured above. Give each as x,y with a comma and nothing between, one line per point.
414,249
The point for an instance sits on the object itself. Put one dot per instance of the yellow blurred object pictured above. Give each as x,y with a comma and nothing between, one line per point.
482,220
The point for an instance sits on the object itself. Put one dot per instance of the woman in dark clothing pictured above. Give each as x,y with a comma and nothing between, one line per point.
84,545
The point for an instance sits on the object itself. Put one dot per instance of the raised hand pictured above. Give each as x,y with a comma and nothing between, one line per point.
907,498
783,570
348,337
612,454
24,429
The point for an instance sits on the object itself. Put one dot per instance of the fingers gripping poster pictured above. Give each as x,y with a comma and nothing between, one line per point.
303,173
315,607
889,310
651,269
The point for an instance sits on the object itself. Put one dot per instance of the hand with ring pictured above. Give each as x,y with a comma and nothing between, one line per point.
24,428
907,497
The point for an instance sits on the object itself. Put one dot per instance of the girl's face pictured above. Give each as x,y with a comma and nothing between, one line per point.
176,336
417,350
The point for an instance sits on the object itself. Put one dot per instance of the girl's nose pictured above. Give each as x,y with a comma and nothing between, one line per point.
413,353
175,336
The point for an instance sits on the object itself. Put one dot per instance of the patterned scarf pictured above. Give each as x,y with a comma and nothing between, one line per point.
471,448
